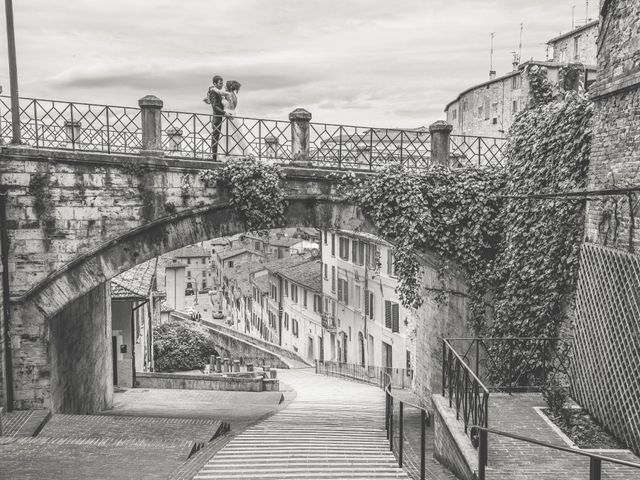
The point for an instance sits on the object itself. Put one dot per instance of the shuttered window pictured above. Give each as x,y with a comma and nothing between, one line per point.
392,316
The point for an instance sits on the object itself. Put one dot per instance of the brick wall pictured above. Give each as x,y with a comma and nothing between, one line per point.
80,349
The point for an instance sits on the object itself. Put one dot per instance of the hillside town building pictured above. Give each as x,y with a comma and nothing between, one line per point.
488,109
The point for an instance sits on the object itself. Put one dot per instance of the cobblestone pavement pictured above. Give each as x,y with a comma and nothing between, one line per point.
519,461
332,429
149,434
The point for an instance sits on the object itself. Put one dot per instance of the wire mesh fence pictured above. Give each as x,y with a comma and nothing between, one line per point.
606,367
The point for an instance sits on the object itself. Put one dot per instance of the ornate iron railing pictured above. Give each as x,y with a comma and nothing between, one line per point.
468,150
516,364
464,389
117,129
367,148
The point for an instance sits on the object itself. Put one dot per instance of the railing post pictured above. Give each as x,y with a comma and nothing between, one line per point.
401,433
300,137
151,120
175,139
595,469
423,442
440,132
482,454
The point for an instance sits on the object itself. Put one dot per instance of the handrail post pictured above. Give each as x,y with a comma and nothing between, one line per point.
444,363
423,441
595,469
300,137
482,454
440,133
391,423
151,119
401,433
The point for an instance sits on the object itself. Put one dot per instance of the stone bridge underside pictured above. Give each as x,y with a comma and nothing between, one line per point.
72,221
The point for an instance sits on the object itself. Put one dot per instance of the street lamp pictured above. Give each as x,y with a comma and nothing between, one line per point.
13,74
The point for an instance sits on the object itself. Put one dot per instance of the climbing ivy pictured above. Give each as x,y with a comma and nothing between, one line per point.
255,190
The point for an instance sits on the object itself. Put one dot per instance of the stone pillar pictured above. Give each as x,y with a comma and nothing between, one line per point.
175,139
151,115
236,366
364,154
300,119
249,367
72,131
440,132
271,148
225,365
218,365
273,373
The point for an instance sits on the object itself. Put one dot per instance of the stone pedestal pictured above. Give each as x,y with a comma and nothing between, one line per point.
271,146
151,120
236,366
273,373
72,131
225,365
218,364
300,119
249,367
174,136
440,132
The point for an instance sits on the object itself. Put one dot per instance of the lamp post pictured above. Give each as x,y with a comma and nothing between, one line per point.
13,74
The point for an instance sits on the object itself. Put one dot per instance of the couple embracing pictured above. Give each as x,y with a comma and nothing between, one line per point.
229,132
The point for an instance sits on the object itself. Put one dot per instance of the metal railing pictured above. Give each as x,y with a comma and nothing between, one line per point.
595,460
399,377
515,364
464,389
54,124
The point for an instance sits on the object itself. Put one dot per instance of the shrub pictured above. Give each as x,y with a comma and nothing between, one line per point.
181,346
556,394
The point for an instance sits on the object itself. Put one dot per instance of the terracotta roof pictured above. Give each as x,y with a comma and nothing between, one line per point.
190,252
233,253
280,263
240,277
135,282
307,274
579,29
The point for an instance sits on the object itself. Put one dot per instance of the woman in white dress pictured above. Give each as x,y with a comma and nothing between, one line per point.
236,143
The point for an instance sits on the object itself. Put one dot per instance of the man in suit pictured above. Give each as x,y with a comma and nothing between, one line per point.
214,98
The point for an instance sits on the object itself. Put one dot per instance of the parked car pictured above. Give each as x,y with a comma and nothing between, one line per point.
218,314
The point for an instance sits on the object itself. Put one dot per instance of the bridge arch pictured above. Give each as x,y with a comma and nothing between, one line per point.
60,358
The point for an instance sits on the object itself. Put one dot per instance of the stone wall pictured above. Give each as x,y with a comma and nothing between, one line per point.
80,350
228,382
437,320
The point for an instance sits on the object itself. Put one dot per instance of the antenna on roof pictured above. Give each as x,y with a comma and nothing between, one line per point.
491,72
520,45
573,17
586,17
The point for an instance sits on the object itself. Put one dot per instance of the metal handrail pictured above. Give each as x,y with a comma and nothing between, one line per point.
595,467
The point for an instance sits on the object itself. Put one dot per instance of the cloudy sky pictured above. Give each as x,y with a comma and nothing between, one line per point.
393,63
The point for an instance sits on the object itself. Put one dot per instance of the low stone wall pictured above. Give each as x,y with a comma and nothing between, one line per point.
238,382
452,447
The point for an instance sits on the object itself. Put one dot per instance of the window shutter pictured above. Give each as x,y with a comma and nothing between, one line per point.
371,305
366,303
354,250
395,314
387,314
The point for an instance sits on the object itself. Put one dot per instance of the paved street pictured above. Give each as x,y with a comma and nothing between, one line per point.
332,429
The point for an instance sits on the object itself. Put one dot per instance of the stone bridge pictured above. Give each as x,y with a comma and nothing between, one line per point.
71,221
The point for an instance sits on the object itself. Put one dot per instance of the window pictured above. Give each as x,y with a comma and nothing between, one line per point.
357,252
358,297
230,263
408,360
333,278
333,244
480,111
326,272
204,283
454,114
317,304
391,265
343,287
344,248
325,237
257,246
188,273
294,327
274,292
304,297
286,288
372,256
515,82
576,47
326,304
392,316
286,321
294,293
368,304
188,261
495,120
514,107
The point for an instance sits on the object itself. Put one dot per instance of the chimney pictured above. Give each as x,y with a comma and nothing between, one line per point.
492,74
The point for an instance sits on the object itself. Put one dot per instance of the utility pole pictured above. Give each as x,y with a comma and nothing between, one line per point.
13,74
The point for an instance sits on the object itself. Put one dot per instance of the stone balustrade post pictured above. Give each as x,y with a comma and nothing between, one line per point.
225,365
218,365
151,120
236,366
174,136
272,145
440,132
72,131
249,367
300,136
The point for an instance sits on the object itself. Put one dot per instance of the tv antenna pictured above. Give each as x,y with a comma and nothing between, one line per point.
520,45
493,34
586,17
573,17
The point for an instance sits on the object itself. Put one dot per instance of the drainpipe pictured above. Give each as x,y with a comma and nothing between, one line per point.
6,311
